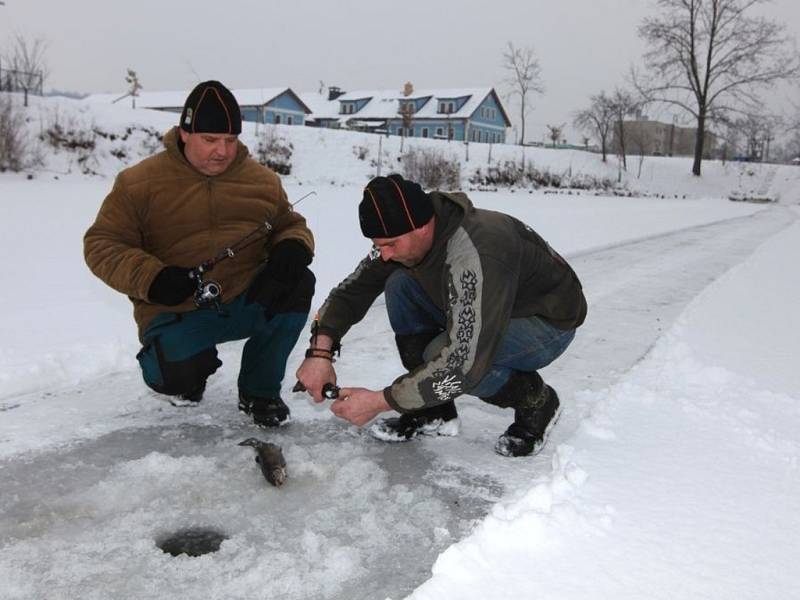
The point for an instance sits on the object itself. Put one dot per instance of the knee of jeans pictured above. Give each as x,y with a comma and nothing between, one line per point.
399,283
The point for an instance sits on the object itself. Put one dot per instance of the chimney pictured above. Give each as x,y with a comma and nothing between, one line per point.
334,92
408,89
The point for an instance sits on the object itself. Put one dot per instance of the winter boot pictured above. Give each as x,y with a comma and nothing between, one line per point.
266,412
438,420
536,410
191,398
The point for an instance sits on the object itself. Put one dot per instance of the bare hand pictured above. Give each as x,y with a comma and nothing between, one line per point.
313,374
359,405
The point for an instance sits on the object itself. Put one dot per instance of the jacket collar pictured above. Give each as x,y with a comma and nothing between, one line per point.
171,141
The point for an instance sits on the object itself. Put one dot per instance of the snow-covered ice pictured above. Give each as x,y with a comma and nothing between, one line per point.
673,472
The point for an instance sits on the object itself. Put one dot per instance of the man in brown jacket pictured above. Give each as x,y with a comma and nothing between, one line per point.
478,302
200,197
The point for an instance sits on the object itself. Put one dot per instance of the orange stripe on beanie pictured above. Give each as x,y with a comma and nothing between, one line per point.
211,108
393,206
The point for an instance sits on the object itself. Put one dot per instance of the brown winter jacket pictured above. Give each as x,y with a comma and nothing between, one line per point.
163,211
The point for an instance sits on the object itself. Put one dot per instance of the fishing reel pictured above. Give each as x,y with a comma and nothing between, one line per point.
208,293
330,391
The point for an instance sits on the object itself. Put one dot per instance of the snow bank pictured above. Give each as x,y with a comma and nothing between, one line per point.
681,471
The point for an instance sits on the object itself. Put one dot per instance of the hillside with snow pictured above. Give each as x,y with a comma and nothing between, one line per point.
78,137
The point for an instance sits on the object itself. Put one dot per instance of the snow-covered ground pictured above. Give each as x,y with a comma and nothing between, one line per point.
673,472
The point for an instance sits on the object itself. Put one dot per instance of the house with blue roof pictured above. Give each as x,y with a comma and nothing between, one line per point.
280,106
469,114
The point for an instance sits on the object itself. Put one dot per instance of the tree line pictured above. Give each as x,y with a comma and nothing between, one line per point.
708,60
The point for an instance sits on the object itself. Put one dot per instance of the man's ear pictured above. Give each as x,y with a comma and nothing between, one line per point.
184,135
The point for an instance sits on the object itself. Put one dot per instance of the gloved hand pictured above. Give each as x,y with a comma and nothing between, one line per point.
171,286
286,265
288,260
281,297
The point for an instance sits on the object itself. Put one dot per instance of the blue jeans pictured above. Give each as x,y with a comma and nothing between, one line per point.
528,343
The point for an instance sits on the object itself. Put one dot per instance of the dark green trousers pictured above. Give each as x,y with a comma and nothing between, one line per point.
180,349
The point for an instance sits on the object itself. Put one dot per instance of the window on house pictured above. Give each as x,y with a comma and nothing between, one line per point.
288,120
424,132
439,131
277,119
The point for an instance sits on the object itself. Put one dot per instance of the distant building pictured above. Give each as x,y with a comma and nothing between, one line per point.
262,105
472,114
653,138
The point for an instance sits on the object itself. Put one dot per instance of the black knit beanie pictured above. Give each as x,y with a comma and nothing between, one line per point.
211,108
393,206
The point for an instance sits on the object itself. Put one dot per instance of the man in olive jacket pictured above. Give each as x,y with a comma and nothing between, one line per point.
176,210
478,302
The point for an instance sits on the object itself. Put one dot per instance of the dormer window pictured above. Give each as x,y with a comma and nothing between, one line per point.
407,108
348,108
447,106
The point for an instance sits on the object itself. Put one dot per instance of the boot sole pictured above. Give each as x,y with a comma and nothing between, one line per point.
183,402
449,428
283,423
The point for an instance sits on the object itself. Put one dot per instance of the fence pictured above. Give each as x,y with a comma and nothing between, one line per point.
13,80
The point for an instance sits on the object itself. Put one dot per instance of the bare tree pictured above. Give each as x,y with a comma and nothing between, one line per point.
555,132
759,132
133,81
26,66
597,120
524,78
406,111
622,105
793,124
709,57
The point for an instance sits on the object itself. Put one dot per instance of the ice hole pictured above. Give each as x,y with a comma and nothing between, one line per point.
194,541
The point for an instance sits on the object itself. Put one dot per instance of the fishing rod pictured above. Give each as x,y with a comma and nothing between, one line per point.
209,292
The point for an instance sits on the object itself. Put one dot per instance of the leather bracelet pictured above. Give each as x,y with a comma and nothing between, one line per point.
320,353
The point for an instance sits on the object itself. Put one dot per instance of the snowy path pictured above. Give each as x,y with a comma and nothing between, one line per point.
357,519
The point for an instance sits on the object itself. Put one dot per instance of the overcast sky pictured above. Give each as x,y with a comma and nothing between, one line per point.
584,46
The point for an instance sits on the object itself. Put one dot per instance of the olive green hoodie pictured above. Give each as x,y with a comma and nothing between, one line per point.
483,269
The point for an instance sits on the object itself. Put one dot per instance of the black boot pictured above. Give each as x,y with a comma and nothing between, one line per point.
191,398
266,412
536,410
438,420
